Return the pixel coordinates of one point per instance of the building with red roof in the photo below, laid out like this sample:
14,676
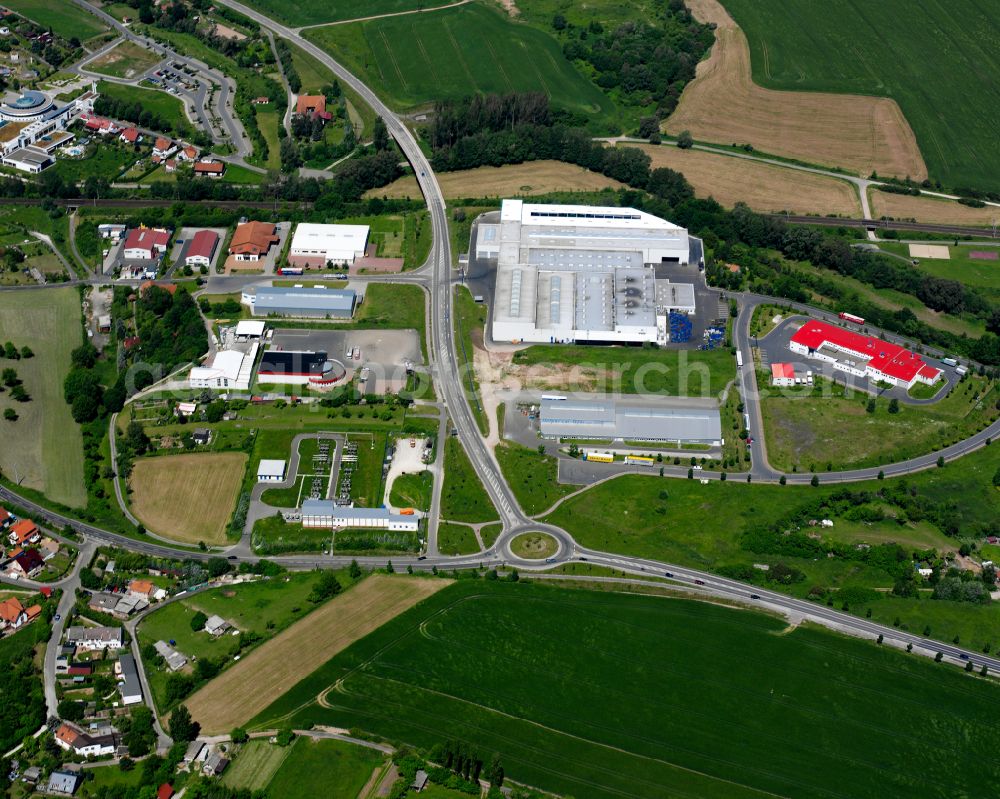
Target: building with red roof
145,244
866,356
163,147
165,791
12,614
6,518
307,104
782,374
130,136
23,532
202,248
27,562
209,169
252,240
99,125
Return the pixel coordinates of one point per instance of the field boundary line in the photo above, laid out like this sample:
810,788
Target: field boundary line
382,16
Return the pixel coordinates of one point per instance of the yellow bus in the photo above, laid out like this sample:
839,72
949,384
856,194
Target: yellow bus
599,457
639,460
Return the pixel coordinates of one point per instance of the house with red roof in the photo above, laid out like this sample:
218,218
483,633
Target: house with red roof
23,532
188,153
12,614
6,518
131,136
307,104
99,125
209,169
782,374
202,248
165,791
862,355
170,165
252,240
163,147
145,244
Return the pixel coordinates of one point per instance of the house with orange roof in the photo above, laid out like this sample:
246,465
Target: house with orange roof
23,532
6,518
163,147
12,614
252,240
307,104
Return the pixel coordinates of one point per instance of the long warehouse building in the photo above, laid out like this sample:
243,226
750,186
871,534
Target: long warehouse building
327,514
575,273
606,418
314,302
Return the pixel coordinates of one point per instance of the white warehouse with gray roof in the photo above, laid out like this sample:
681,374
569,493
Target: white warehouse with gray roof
632,419
326,513
575,273
315,301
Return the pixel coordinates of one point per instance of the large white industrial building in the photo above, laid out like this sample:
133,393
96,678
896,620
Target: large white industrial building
326,513
318,245
571,273
228,369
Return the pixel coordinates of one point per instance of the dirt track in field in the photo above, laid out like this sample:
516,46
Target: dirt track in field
724,105
929,209
241,692
764,188
534,177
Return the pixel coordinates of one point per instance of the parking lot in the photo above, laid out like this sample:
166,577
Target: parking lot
383,353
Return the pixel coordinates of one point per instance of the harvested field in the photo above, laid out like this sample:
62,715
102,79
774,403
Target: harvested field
188,498
535,177
764,188
235,697
724,105
930,209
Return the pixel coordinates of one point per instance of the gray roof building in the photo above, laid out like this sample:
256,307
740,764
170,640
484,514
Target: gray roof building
313,302
633,420
130,687
63,782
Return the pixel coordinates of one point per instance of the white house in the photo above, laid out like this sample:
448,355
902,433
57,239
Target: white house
271,471
95,638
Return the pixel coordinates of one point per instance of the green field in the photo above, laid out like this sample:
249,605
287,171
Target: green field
942,64
43,449
312,12
65,19
463,498
655,706
255,765
161,104
268,121
125,61
412,490
532,476
470,323
101,161
631,370
809,432
456,539
976,272
417,59
324,768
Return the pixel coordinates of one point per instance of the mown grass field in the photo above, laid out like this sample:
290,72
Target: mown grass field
126,60
420,58
456,539
463,498
65,19
629,370
43,449
188,498
810,431
940,66
978,272
162,104
255,765
655,705
234,697
532,476
324,768
412,490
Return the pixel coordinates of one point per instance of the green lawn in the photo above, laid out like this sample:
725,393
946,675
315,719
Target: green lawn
324,768
241,175
268,121
255,765
162,104
125,61
809,431
65,19
532,476
417,59
655,703
456,539
463,498
413,491
944,56
977,272
633,370
43,449
470,322
315,76
102,160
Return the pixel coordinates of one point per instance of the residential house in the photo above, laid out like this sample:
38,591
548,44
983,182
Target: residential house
195,751
63,783
163,147
170,165
188,153
215,764
216,625
95,638
6,518
129,685
129,604
12,614
201,435
100,125
130,136
175,660
23,533
307,104
252,240
142,588
209,169
32,774
27,563
103,602
96,743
